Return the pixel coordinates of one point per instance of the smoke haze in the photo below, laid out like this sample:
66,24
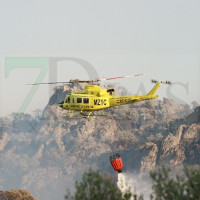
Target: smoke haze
137,183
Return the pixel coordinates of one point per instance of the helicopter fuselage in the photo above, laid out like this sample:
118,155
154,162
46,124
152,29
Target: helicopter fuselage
93,98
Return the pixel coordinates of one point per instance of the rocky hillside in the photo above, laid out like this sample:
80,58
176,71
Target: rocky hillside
181,145
45,155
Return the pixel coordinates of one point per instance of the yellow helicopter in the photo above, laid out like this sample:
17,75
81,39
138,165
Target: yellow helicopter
94,98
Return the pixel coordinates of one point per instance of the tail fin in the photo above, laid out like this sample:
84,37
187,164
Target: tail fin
154,89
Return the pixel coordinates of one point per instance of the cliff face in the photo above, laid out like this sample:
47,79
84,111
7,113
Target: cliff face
181,145
46,155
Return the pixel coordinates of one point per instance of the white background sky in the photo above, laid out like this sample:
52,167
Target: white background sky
158,38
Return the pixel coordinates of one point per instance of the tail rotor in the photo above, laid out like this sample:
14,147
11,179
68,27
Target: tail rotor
164,82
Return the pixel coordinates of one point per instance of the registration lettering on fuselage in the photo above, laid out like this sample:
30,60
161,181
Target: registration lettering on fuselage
125,100
100,102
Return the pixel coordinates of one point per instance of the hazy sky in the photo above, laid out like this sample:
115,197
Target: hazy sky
158,38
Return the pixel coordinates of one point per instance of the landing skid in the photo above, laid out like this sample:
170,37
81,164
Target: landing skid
84,115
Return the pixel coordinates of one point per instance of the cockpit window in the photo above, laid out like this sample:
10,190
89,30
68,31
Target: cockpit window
86,100
68,99
79,100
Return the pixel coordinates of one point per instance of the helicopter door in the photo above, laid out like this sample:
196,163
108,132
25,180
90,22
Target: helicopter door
67,100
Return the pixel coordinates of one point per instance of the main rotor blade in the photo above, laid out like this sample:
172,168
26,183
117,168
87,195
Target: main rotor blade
71,81
48,83
112,78
89,81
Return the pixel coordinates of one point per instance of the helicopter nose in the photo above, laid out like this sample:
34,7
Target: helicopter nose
61,104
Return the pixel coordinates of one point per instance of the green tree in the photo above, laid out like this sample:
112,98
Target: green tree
180,187
95,186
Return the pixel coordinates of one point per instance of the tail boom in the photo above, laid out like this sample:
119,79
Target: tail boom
122,100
